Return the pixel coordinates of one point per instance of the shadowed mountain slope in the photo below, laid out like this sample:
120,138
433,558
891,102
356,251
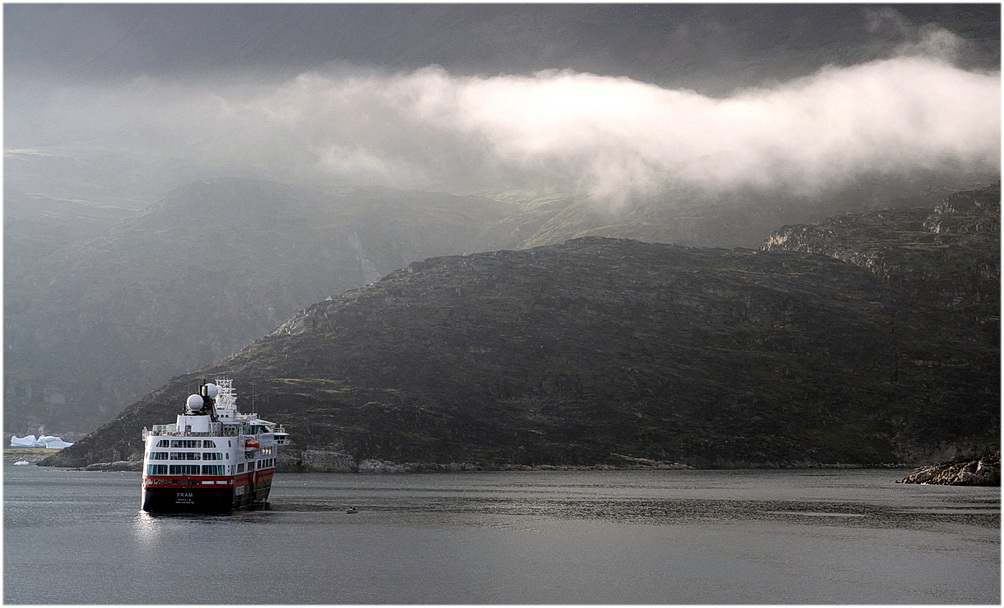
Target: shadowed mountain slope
580,352
104,302
948,257
201,273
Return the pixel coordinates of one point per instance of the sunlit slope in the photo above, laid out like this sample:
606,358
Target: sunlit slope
573,353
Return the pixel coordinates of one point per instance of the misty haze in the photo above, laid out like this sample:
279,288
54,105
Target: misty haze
445,237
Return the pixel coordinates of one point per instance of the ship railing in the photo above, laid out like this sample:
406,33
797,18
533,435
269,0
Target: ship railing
216,429
160,429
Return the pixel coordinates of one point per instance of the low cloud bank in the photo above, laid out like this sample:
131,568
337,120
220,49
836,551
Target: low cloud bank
612,138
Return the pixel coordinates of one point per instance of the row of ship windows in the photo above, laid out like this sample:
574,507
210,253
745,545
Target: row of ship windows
264,463
206,469
186,456
186,443
185,469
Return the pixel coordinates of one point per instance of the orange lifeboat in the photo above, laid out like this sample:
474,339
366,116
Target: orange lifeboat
251,444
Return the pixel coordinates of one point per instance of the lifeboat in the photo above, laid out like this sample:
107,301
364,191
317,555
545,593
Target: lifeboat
251,444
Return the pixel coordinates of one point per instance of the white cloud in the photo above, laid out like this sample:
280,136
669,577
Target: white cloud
610,137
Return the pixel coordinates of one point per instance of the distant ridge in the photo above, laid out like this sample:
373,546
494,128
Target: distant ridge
592,350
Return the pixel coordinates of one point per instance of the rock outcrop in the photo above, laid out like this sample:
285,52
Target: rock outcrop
948,257
983,471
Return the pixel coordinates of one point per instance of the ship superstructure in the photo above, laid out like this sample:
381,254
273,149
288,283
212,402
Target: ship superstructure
213,458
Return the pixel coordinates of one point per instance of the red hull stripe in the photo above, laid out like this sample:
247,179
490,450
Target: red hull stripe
207,481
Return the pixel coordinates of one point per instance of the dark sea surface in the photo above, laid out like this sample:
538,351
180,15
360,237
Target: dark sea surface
555,537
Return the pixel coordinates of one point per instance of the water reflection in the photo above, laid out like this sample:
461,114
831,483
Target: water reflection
145,532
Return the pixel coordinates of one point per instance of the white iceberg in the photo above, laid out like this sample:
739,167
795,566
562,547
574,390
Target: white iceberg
25,442
45,441
51,441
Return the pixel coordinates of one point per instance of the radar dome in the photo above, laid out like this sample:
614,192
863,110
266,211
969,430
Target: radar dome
194,402
212,390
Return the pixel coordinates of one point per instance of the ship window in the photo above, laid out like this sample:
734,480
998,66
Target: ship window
186,443
208,443
212,456
156,469
184,469
240,468
186,456
251,466
212,469
158,456
163,443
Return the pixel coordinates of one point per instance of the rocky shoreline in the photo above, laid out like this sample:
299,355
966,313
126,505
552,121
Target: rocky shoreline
983,471
325,461
32,455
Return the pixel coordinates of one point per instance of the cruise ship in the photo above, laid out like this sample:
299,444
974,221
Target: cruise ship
213,459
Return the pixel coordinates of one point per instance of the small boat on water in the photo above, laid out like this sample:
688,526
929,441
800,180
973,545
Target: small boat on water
213,459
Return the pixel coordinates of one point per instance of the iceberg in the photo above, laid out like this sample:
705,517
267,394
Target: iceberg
45,441
25,442
51,441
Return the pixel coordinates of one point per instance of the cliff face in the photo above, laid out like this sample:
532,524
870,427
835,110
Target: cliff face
597,349
948,257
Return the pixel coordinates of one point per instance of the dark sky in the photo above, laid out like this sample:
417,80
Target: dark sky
613,99
112,41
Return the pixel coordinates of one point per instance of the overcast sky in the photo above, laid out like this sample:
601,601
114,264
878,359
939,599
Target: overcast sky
613,101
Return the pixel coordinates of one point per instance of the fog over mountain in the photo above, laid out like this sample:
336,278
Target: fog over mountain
147,143
417,112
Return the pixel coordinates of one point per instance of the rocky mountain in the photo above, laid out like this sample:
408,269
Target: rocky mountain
106,296
948,257
200,274
605,350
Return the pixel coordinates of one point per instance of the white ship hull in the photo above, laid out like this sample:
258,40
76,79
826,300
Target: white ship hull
213,459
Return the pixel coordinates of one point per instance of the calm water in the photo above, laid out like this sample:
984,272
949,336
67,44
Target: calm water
667,537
